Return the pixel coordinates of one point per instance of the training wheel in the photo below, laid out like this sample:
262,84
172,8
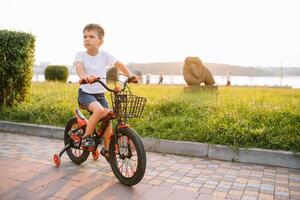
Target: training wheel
95,154
56,160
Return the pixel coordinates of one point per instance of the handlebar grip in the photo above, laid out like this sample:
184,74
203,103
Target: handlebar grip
133,79
85,81
82,81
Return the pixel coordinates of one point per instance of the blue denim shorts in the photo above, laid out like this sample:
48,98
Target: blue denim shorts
85,99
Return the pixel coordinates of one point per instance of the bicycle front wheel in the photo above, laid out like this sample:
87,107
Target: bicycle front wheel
128,162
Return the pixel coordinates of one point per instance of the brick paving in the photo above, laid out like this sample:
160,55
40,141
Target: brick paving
27,172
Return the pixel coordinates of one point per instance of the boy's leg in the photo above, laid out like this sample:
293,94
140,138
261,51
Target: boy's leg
98,113
107,137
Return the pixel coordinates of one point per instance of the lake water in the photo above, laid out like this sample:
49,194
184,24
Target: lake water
291,81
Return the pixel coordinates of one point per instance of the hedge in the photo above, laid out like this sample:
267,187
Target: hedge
16,66
56,73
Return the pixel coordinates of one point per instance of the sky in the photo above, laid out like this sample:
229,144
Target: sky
240,32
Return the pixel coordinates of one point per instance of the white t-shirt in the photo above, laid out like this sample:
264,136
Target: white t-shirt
96,66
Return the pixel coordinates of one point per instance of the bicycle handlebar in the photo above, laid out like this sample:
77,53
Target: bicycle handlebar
98,79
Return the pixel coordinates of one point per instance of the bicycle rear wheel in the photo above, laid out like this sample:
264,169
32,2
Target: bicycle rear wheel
77,155
129,162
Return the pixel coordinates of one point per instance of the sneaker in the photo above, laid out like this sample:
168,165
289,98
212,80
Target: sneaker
87,142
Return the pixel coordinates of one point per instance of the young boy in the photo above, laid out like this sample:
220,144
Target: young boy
90,64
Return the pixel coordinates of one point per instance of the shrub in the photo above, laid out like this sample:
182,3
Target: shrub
16,63
56,73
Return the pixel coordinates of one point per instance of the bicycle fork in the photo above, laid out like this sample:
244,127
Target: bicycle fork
115,135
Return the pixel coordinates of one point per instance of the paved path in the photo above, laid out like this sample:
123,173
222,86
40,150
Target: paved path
27,172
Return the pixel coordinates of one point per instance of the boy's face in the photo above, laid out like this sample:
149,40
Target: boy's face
91,40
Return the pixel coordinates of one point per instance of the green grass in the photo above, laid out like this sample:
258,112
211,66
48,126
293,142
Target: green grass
239,117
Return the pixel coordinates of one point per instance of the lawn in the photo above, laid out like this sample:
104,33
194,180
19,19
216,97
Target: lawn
235,116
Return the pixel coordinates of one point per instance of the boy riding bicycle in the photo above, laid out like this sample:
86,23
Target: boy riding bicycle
90,64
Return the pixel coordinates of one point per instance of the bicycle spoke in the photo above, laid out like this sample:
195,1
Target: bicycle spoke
121,167
127,166
124,162
119,161
127,157
76,152
132,169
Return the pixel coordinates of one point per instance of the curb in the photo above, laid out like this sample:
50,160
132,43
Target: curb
194,149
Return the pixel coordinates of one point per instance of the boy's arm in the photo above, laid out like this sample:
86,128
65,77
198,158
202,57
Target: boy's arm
82,75
123,69
80,70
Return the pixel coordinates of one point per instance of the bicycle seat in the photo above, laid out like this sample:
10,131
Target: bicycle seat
79,114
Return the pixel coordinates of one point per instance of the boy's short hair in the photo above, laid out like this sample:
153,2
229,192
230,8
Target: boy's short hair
95,27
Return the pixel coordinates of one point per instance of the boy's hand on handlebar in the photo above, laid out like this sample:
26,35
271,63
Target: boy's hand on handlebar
91,79
133,79
88,79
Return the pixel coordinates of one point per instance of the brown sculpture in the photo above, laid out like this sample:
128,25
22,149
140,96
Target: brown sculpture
195,73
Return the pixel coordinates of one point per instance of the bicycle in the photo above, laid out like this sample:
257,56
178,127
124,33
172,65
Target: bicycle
126,154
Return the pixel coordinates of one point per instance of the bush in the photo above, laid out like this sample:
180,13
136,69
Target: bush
56,73
16,63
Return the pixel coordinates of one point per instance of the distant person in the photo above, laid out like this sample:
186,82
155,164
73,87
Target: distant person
161,78
148,78
228,78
